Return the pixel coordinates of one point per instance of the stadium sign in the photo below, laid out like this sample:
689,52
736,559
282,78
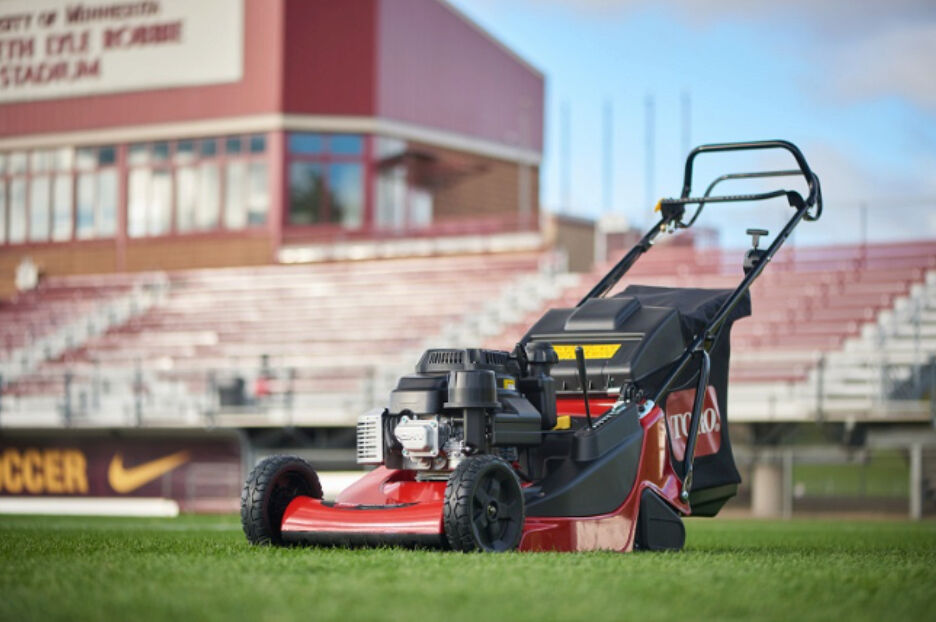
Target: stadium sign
53,49
679,414
95,466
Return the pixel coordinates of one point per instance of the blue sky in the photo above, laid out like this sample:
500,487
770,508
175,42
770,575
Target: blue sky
854,84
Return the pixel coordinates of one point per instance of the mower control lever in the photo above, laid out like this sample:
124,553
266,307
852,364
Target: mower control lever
583,380
756,235
755,255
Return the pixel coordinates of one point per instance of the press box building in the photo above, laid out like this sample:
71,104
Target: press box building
162,134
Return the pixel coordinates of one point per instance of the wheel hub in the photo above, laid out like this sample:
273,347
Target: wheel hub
492,510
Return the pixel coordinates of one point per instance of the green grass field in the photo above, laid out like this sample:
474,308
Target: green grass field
201,568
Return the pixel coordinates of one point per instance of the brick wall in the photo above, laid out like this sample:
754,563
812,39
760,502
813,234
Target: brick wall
157,254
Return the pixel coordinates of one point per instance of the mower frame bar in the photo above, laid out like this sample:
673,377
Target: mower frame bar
672,211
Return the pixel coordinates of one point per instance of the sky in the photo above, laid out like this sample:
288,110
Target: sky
852,83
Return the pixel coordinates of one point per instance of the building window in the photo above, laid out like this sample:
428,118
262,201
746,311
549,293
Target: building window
198,186
404,199
17,210
246,183
37,199
326,179
96,192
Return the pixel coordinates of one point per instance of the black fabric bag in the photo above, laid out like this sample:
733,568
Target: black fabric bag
716,477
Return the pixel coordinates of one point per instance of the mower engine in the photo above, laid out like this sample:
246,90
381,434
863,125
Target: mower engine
460,403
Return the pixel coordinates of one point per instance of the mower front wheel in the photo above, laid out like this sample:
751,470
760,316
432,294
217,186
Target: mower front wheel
484,508
270,487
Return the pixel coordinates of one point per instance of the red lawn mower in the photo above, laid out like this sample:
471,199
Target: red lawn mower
604,426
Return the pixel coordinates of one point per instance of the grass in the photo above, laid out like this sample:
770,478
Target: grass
201,568
886,474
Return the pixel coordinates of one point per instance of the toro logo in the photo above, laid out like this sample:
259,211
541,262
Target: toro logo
679,407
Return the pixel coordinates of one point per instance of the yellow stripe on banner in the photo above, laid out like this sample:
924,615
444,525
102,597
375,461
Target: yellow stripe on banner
591,351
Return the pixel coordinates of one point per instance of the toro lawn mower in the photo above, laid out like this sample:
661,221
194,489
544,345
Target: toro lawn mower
604,426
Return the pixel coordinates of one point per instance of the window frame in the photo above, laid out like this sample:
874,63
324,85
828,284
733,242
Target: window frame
326,158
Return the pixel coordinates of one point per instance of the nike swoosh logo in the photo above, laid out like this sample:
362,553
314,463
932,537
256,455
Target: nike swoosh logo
124,480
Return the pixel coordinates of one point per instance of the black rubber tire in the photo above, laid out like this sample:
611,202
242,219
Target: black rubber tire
484,509
269,489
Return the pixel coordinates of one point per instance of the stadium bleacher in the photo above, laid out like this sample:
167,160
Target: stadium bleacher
312,335
317,343
814,308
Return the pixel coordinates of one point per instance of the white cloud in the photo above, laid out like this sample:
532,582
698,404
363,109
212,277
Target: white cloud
866,48
898,61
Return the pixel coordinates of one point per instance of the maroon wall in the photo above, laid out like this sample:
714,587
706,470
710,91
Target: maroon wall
416,61
330,57
258,91
437,69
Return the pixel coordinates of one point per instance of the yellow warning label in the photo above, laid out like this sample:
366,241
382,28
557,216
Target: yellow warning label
591,351
509,384
563,422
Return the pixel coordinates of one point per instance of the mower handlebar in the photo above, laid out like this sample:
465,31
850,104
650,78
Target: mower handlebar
814,199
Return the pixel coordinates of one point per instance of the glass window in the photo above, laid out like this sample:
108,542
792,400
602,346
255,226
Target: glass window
232,144
84,225
64,159
40,161
420,207
386,147
258,201
306,143
138,202
107,156
346,189
306,193
346,144
107,202
149,203
186,196
39,209
62,208
209,147
17,226
235,199
160,151
185,150
17,162
209,196
160,207
391,198
3,212
138,154
257,143
85,159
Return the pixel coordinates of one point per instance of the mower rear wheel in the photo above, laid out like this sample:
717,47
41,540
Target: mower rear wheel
484,508
269,489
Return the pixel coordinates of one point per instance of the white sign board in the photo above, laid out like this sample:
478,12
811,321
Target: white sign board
63,48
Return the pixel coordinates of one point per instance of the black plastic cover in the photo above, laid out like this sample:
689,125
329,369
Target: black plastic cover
697,307
659,528
649,338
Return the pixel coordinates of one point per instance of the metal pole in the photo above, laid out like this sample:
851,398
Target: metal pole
686,105
67,406
916,481
820,388
932,390
788,484
564,159
649,144
138,394
863,209
608,152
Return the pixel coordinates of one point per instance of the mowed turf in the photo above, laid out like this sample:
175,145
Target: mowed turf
201,568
